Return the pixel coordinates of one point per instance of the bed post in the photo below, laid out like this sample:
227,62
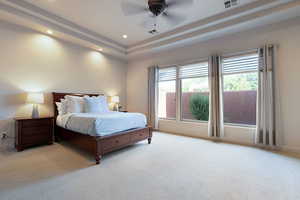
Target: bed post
98,159
150,135
98,150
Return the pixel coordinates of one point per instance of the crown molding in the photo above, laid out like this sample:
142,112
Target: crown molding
206,21
35,10
237,15
216,25
33,14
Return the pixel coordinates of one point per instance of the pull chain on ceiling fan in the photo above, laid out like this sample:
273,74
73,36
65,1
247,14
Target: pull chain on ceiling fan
157,8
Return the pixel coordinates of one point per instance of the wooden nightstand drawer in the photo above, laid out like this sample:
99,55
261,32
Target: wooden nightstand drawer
36,131
30,132
35,139
36,123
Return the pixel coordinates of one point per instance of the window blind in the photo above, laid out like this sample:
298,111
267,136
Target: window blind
240,64
167,74
193,70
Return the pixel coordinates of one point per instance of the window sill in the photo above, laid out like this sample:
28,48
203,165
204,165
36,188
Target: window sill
240,125
192,122
167,119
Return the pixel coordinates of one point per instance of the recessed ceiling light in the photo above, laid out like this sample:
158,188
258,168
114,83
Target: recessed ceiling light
50,32
124,36
100,49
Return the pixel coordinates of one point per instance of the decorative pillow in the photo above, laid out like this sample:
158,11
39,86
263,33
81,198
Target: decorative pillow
62,107
59,107
74,104
95,104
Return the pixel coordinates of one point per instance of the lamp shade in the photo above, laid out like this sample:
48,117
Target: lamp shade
115,99
35,98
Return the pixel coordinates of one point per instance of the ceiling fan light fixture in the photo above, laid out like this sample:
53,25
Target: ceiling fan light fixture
158,8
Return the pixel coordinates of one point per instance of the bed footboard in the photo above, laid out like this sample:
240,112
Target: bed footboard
99,146
114,142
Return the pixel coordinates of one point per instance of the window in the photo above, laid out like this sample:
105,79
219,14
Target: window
167,93
183,91
194,91
240,81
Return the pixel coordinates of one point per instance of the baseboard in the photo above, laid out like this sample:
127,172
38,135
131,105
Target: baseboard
211,139
238,143
282,148
289,149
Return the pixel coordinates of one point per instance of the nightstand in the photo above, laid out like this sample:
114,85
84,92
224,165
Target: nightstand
31,132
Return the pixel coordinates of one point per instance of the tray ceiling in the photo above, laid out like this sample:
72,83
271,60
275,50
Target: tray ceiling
105,17
100,24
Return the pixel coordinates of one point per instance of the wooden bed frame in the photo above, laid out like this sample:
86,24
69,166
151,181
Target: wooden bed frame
98,145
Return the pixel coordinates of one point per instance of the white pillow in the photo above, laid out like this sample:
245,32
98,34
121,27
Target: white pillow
62,107
59,107
74,104
105,106
95,104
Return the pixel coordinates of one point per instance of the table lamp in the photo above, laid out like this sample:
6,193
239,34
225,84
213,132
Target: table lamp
35,99
116,101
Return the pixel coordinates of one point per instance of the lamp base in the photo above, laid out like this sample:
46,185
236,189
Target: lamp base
35,111
116,107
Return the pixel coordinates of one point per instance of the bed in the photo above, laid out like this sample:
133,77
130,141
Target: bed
93,140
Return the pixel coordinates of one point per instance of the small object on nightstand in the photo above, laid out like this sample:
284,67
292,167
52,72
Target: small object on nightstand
33,131
116,100
35,99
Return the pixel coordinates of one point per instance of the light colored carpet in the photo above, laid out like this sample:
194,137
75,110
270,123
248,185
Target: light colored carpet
172,167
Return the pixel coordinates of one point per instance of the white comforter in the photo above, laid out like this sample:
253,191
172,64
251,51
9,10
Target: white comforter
101,124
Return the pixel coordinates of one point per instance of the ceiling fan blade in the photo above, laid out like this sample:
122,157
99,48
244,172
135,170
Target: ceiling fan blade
130,8
179,3
173,19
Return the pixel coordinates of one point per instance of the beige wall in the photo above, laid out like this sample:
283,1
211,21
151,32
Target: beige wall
285,34
30,61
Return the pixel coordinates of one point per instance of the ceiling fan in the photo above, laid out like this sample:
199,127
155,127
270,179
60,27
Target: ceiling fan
157,8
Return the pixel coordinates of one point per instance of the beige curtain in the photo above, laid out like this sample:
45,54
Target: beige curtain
266,131
215,124
152,97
